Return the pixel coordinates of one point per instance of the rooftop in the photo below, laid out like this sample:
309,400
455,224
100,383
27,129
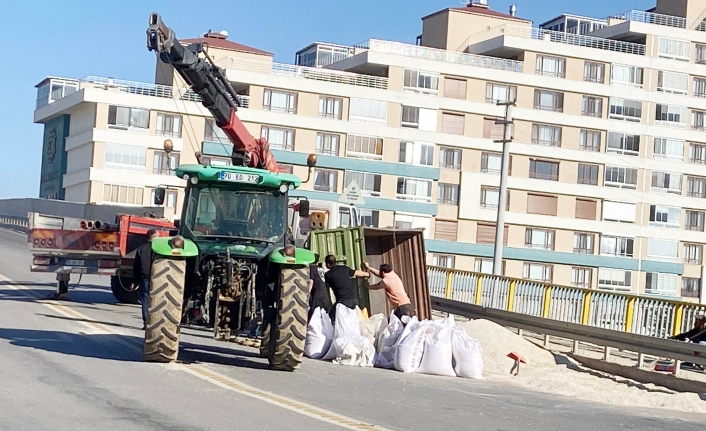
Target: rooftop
219,40
479,9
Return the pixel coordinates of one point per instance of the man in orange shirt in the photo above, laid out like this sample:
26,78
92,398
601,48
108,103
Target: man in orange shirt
394,289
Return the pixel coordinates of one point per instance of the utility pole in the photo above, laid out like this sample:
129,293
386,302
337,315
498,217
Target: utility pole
502,195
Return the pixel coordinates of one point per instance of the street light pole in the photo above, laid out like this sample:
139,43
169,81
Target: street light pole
507,122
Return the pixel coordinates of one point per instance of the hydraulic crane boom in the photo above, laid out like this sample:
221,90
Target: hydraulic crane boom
217,94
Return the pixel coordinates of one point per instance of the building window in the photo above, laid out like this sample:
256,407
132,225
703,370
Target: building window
447,194
537,272
662,249
700,57
450,158
593,72
661,284
452,123
419,81
583,243
327,143
670,115
697,154
617,246
410,117
543,134
547,100
581,277
614,279
544,170
490,198
586,209
669,182
169,125
495,93
485,266
674,48
217,161
446,230
330,107
696,187
326,180
624,178
664,216
368,111
364,147
280,101
443,261
126,157
279,139
416,153
627,76
668,149
133,119
213,133
673,82
413,189
542,204
369,183
691,287
551,66
625,109
699,87
369,218
621,143
118,194
592,106
588,174
698,120
285,169
485,234
694,220
539,239
590,140
455,88
490,163
693,254
165,164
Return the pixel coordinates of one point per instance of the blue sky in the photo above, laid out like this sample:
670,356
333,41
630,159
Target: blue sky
75,38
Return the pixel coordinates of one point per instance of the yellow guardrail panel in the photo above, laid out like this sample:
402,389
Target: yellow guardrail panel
586,312
479,289
511,296
449,284
628,314
678,316
547,301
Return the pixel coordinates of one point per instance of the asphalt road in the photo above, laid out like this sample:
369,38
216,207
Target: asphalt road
77,366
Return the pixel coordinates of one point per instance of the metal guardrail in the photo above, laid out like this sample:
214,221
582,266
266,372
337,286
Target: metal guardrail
643,315
677,350
661,19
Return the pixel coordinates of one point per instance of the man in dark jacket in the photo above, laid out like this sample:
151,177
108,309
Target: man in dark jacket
319,292
339,279
697,333
141,268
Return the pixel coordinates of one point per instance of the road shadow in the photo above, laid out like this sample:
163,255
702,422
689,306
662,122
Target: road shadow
88,294
74,319
565,361
190,353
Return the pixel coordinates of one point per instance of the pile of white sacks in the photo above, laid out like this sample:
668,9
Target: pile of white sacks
428,347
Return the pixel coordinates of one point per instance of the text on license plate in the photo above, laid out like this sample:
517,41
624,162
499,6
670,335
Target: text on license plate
75,262
239,178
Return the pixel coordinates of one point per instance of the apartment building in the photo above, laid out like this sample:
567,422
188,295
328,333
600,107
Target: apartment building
607,186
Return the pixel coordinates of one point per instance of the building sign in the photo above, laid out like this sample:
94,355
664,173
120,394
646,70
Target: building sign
352,195
54,158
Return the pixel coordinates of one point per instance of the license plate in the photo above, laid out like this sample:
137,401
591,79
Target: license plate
239,178
75,262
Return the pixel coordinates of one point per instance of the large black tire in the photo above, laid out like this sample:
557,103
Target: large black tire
120,285
165,310
265,343
289,335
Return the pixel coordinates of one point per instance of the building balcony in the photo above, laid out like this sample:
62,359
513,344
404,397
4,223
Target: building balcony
659,19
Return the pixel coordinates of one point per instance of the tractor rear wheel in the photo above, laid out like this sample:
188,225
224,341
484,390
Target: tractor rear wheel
165,310
122,289
289,333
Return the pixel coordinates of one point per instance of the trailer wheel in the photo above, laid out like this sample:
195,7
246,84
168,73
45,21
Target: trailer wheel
289,335
165,310
120,285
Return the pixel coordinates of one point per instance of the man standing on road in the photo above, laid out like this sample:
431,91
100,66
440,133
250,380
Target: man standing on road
319,295
394,289
338,278
141,269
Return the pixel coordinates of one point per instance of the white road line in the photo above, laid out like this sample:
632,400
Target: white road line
206,374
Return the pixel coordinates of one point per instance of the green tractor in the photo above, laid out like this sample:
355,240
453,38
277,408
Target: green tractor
230,265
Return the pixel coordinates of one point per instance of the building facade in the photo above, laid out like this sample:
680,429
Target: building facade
607,186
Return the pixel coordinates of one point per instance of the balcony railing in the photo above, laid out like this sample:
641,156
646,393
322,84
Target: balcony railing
661,19
313,73
427,53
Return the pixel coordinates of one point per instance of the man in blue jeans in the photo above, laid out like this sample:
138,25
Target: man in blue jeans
141,274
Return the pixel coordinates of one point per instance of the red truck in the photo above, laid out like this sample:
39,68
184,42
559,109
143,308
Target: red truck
68,245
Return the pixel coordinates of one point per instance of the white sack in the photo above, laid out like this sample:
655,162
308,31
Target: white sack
319,334
372,327
467,355
438,358
347,323
354,350
411,347
386,346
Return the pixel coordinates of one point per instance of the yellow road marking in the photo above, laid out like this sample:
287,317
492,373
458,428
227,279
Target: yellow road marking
211,376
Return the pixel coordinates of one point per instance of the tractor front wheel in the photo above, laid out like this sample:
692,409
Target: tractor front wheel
288,333
165,310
